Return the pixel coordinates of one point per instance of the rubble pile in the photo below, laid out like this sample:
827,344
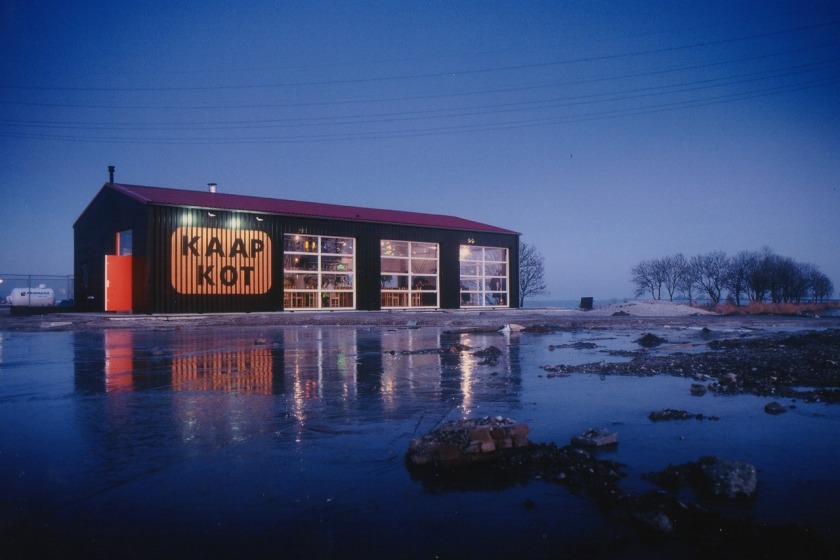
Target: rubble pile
666,516
803,365
650,340
713,476
463,442
675,414
595,438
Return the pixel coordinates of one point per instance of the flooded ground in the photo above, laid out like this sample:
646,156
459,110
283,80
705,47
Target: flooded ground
290,441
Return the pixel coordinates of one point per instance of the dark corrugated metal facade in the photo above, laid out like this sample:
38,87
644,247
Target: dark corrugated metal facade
202,260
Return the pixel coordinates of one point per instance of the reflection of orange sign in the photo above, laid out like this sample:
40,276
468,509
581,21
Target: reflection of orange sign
246,371
220,261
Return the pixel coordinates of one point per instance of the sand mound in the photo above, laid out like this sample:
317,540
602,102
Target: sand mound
650,308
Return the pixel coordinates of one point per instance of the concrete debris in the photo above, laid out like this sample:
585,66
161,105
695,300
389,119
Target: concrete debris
728,477
698,389
460,443
774,408
595,438
650,340
671,414
712,476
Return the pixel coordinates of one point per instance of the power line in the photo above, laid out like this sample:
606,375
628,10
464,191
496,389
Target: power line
449,129
454,112
496,113
423,97
450,73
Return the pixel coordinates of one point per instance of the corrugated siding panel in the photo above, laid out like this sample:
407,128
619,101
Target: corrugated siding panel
94,235
200,266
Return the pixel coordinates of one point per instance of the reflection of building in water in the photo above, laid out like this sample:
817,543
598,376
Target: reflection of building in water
436,365
319,364
125,360
104,361
195,367
119,360
346,370
247,369
413,363
180,390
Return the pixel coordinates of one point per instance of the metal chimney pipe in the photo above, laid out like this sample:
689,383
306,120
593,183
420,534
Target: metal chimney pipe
211,187
111,174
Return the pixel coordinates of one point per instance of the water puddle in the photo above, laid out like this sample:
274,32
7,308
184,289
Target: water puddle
237,440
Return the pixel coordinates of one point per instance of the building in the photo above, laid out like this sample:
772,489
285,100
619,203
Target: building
158,250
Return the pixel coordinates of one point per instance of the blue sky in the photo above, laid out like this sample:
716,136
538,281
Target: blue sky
604,132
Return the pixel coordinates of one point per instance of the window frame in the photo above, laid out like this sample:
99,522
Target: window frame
408,258
316,284
478,289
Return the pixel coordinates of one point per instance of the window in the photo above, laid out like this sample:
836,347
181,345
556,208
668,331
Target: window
409,274
484,276
318,272
124,242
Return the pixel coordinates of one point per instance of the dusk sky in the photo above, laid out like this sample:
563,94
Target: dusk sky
605,132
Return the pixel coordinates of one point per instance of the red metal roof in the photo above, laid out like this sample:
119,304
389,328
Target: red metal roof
225,201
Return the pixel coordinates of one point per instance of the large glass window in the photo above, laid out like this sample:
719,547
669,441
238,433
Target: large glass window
318,272
484,276
409,274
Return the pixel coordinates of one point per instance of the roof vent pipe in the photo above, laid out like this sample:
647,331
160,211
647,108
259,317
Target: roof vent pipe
111,174
211,187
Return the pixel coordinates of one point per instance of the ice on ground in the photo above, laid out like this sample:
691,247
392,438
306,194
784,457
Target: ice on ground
641,308
650,308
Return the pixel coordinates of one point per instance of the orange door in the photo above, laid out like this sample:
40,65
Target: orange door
117,283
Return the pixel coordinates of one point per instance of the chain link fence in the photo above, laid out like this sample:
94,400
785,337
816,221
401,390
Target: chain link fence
16,287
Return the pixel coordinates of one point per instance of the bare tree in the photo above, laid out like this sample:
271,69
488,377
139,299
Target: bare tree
531,272
687,281
760,275
648,276
787,280
797,280
736,276
710,270
758,271
821,286
674,268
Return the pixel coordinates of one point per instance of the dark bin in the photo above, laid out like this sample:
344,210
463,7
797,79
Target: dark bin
586,303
